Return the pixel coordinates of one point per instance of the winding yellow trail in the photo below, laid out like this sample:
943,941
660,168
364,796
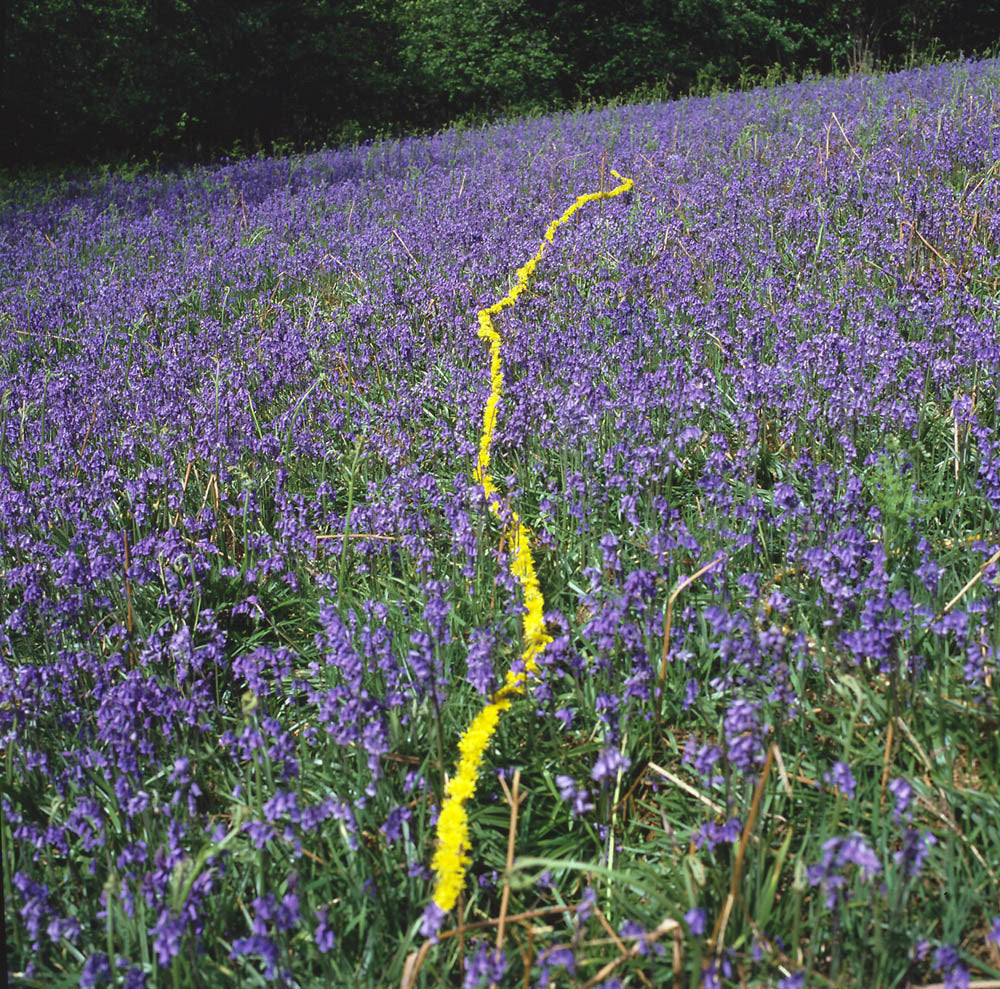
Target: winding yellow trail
452,858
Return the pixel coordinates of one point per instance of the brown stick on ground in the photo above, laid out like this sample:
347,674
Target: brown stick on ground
969,585
982,984
665,926
618,943
513,798
719,932
415,959
686,582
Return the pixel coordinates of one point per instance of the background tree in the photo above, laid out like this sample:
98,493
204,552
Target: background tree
107,79
474,56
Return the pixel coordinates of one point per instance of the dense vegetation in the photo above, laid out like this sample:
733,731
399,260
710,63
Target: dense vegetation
193,78
252,596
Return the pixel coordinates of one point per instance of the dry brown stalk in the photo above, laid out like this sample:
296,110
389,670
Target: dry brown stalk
969,585
678,957
847,141
212,488
527,952
719,932
618,943
184,484
980,984
886,761
686,787
83,445
945,261
405,248
665,926
412,965
782,772
48,336
513,798
628,794
686,582
416,958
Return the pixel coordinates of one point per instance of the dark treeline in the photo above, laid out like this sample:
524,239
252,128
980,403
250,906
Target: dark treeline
171,79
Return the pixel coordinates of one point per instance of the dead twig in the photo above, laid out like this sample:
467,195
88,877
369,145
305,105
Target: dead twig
847,140
980,984
415,959
717,809
395,233
412,965
513,798
719,932
686,582
968,587
617,941
665,926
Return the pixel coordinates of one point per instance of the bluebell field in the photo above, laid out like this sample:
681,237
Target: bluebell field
251,595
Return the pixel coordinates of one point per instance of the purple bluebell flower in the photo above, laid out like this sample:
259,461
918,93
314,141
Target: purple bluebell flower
550,958
486,966
691,689
842,778
609,763
586,906
794,981
711,834
259,946
710,976
96,971
838,854
63,927
947,961
433,918
577,797
913,853
479,662
259,832
902,793
696,919
167,934
393,826
35,908
609,549
324,936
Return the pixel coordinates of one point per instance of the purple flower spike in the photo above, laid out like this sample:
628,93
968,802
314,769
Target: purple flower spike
324,937
486,966
842,778
696,919
946,960
902,793
433,918
609,763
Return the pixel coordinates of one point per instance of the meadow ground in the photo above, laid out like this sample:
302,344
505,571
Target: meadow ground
254,594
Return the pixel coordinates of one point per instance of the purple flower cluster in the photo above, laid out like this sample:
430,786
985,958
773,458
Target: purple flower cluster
830,873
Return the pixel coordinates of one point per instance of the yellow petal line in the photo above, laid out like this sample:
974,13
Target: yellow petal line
452,855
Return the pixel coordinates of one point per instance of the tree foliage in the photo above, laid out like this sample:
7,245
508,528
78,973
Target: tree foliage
183,78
